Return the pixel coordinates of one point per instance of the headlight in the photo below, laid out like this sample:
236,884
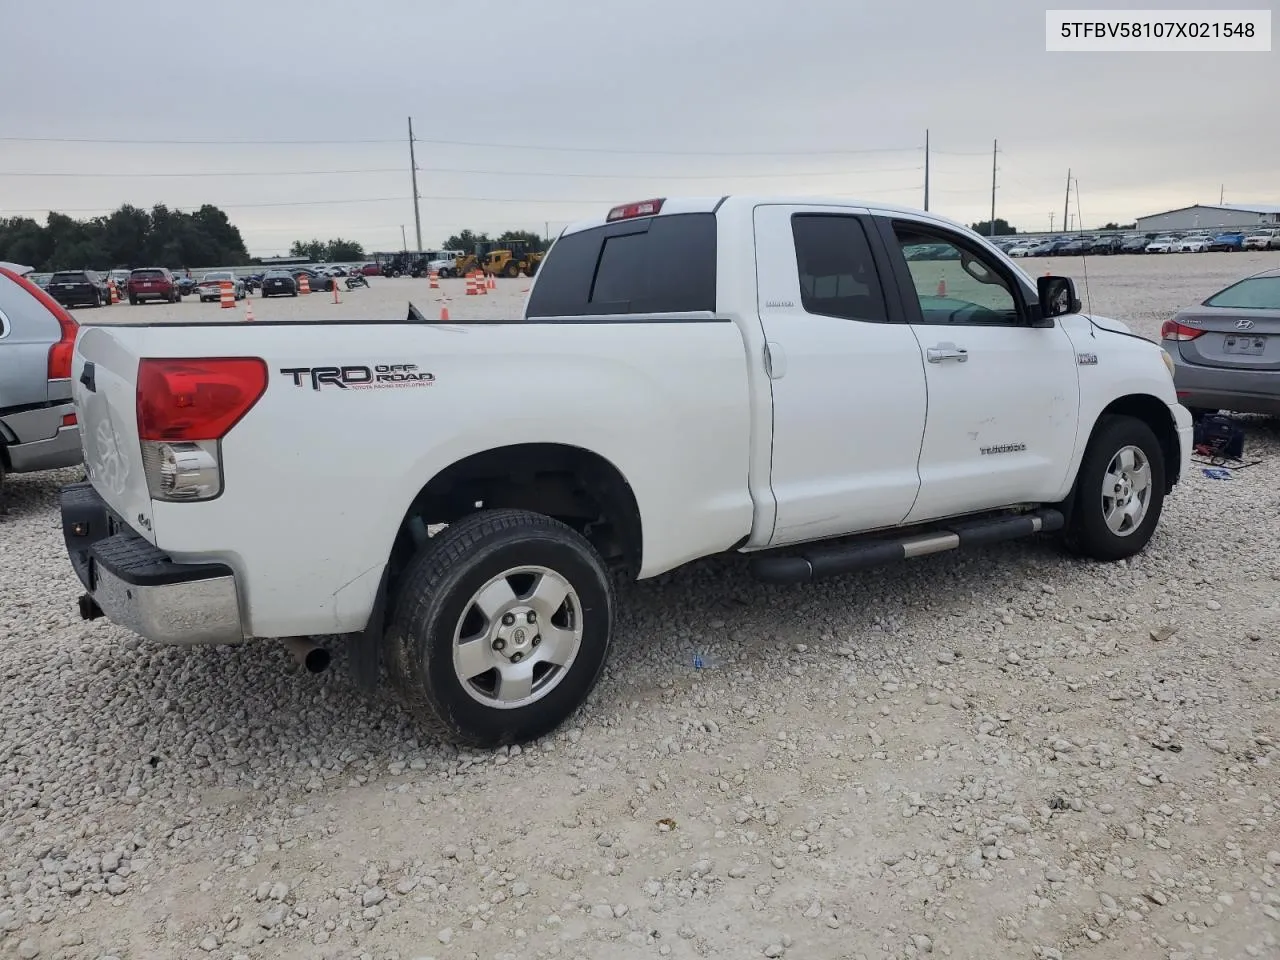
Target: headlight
1168,360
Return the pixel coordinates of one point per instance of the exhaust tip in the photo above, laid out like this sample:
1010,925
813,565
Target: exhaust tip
312,658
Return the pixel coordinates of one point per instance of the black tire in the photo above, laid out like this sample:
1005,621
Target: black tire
511,270
133,301
435,594
294,293
1087,533
97,300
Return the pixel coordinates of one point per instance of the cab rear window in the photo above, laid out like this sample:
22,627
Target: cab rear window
664,264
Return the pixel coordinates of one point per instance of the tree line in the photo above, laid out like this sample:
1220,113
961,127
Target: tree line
525,240
127,238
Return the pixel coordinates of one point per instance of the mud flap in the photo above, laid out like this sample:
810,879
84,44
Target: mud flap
366,646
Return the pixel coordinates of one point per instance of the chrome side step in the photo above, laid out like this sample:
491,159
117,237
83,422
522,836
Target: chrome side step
817,561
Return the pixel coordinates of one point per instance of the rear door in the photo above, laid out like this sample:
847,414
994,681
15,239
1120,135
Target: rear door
847,380
1241,327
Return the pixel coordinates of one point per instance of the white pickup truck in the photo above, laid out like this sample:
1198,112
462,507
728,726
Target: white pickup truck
817,385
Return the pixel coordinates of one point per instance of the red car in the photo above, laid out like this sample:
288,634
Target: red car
371,270
153,283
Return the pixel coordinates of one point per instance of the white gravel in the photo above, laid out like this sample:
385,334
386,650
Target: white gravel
1003,753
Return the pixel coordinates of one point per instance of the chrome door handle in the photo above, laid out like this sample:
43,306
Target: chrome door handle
947,351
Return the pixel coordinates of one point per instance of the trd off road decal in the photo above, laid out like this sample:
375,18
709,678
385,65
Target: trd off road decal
359,377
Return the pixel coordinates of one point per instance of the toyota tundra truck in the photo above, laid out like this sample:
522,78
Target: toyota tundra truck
818,386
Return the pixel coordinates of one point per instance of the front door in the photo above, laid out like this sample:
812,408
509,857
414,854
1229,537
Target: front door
847,380
1004,395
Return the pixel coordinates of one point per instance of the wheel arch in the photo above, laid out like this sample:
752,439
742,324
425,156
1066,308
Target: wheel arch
577,486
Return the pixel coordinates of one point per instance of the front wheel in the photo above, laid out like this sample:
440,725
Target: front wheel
501,628
1119,491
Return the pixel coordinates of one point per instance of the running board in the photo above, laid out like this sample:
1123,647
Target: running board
817,561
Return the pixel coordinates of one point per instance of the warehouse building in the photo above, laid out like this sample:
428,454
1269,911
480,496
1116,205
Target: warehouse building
1209,216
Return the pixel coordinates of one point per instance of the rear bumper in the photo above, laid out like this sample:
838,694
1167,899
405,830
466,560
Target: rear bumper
1219,388
43,443
136,585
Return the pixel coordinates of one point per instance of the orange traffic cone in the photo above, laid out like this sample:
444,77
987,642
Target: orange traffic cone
482,283
435,280
304,285
248,310
227,299
493,284
942,287
444,314
471,284
115,291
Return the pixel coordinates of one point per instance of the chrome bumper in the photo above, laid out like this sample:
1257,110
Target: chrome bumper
136,585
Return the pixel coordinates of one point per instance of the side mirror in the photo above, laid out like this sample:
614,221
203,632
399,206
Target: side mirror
1057,297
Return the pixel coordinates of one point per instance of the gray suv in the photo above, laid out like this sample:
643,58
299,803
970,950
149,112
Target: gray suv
38,428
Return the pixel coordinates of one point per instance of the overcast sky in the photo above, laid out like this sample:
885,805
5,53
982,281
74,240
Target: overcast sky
547,112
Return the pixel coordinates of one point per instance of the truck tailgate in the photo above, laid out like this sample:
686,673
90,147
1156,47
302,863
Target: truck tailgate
104,377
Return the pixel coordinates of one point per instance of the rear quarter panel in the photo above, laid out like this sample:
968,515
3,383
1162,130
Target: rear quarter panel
317,482
27,331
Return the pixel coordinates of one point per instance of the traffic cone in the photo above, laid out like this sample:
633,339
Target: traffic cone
493,284
114,291
471,284
248,310
444,314
227,298
942,287
482,283
435,280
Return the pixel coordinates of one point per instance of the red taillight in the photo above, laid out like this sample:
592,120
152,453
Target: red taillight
645,208
60,353
1173,330
196,399
68,419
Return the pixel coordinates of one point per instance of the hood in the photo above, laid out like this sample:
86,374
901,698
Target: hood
1107,323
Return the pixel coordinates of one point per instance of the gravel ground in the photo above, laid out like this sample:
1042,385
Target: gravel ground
1001,753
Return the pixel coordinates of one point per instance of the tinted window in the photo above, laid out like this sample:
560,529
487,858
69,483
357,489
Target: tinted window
658,265
838,276
148,274
953,282
67,278
1256,293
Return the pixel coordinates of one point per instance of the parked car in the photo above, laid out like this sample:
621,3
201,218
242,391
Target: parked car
1162,244
1192,245
1106,246
211,285
1263,240
38,428
1021,249
316,281
371,270
152,283
278,283
78,288
1075,248
497,627
1227,242
1226,349
1136,244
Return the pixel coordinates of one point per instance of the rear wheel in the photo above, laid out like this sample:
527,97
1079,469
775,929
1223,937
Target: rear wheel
133,301
1119,491
511,270
501,628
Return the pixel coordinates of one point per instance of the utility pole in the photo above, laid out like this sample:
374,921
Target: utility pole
1051,216
995,148
413,173
1222,190
1066,204
926,170
404,244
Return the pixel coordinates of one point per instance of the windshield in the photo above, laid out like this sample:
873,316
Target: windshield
1255,293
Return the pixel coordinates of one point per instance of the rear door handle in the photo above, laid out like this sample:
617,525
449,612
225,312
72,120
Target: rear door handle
947,351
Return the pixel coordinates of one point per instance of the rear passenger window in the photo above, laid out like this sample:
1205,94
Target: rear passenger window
659,265
838,276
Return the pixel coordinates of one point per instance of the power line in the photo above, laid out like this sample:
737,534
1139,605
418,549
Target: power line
462,170
310,203
469,143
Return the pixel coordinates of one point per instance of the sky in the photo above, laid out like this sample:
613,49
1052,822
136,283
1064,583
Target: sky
537,115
